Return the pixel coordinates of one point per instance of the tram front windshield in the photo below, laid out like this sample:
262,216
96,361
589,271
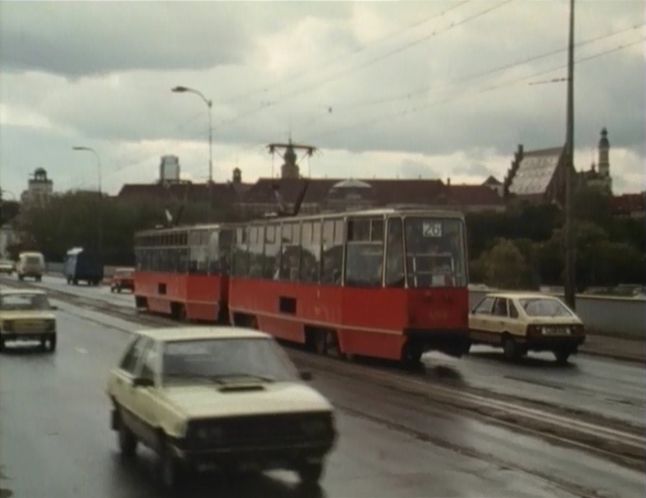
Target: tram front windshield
435,252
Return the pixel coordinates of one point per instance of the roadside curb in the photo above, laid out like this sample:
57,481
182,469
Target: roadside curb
614,356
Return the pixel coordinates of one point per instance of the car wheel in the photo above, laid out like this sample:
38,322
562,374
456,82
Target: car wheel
510,348
562,356
1,344
171,469
21,277
310,473
119,289
127,441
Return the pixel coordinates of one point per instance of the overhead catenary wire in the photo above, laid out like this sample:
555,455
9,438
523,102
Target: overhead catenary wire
344,72
300,74
477,75
373,120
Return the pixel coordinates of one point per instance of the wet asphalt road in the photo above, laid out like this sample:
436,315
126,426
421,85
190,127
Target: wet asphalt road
600,386
55,440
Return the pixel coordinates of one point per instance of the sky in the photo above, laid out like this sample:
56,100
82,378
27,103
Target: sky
434,89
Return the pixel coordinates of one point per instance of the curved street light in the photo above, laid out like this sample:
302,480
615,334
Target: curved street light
209,104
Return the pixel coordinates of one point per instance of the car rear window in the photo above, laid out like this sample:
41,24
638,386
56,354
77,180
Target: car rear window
545,307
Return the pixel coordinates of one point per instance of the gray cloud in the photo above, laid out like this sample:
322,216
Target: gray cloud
76,39
103,72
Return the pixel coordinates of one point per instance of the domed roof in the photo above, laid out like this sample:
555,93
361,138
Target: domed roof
351,183
603,141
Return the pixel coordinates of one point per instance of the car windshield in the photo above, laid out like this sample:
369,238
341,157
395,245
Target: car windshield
19,302
545,307
226,360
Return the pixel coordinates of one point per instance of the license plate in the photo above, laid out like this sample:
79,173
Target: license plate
556,331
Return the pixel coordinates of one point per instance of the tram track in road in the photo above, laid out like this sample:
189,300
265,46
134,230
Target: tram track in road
612,439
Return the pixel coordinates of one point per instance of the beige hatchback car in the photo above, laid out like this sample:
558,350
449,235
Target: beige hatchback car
223,397
26,315
526,322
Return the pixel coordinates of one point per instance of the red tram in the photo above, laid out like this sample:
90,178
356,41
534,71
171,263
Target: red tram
385,283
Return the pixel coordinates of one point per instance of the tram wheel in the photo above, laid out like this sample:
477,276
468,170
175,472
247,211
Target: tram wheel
411,355
321,342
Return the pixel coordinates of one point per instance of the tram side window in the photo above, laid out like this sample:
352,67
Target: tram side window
272,252
332,257
213,252
225,248
256,244
310,251
364,256
395,254
290,251
240,255
198,252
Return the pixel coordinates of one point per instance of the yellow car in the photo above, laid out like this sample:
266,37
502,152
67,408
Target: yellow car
222,397
526,322
26,315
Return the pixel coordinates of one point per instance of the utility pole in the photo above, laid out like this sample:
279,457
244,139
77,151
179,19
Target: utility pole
570,256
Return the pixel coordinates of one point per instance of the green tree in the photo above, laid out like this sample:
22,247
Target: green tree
504,266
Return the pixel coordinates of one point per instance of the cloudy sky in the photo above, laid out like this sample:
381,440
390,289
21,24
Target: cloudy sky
430,89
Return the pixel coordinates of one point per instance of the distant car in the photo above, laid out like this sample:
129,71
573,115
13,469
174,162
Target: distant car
123,278
223,396
26,315
6,266
526,322
30,264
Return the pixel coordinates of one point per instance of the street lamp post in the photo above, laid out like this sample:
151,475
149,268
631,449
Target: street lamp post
98,214
209,104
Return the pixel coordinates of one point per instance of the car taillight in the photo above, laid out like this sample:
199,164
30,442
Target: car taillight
533,330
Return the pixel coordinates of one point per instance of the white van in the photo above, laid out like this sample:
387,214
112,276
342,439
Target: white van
30,264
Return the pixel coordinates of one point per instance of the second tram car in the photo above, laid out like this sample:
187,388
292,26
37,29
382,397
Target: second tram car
183,272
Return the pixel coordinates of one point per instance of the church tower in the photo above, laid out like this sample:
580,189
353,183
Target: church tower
604,149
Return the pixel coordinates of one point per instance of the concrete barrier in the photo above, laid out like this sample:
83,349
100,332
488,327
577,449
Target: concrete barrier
607,315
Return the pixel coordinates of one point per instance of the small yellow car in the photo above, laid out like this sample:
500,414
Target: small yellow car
224,397
526,322
26,315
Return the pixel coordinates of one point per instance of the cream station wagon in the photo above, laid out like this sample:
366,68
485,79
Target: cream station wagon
223,397
526,322
26,315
